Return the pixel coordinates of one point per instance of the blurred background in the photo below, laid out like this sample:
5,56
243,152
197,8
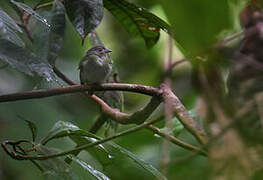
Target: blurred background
198,25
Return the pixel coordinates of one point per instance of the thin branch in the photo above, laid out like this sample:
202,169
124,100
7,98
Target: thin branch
176,141
166,146
168,71
43,5
223,43
80,148
98,123
63,76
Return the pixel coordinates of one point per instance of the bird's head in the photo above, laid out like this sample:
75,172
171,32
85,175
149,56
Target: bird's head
98,50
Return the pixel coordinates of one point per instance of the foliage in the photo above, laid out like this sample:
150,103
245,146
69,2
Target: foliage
41,44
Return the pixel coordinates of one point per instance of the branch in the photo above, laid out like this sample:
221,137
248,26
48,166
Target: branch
182,114
178,109
176,141
168,71
147,90
80,148
223,42
138,117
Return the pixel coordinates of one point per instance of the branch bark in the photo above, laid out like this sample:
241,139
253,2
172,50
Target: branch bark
147,90
182,114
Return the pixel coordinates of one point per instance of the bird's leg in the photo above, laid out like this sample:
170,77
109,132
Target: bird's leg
93,85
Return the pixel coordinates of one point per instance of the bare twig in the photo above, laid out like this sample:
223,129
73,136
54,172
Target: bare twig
168,71
43,5
166,146
176,141
98,123
223,43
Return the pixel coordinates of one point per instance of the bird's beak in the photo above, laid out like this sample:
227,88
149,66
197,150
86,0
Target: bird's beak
107,51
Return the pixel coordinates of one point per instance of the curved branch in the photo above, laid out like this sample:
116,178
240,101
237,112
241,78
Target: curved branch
182,114
138,117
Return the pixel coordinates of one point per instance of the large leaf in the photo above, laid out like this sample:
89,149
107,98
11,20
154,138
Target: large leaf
30,11
138,21
48,42
24,60
8,29
62,129
56,37
55,168
88,168
80,137
197,24
85,15
41,35
138,161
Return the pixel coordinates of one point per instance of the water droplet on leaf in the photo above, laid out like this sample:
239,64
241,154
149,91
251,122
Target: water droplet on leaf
110,156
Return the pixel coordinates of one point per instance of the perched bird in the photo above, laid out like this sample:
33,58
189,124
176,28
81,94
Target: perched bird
96,66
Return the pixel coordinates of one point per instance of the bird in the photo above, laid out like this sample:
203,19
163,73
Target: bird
96,66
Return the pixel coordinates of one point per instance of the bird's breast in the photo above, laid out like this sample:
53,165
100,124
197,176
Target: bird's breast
94,72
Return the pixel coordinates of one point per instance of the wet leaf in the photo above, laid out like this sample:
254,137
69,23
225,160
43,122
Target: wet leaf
65,129
41,35
138,21
8,29
85,15
30,11
56,36
88,168
55,168
24,60
80,137
138,161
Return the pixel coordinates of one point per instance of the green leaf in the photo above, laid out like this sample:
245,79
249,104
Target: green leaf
55,168
58,25
80,137
197,24
33,129
138,21
41,35
30,11
48,42
97,174
85,15
32,126
8,29
139,161
24,60
66,129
